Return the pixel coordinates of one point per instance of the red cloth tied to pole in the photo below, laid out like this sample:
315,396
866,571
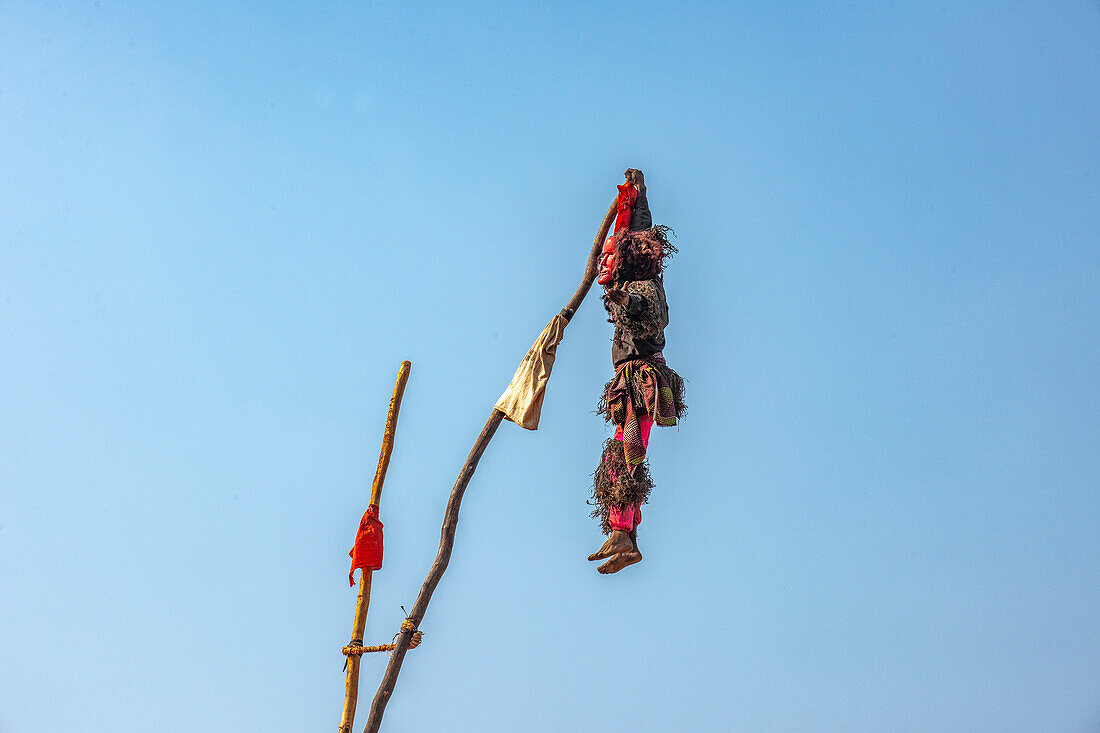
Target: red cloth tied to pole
628,196
367,552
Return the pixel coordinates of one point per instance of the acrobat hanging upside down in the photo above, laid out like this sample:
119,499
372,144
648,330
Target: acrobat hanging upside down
645,390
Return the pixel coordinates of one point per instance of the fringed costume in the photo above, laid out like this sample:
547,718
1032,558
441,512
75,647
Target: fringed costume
645,390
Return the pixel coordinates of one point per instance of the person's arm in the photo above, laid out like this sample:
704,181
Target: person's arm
642,218
640,307
619,297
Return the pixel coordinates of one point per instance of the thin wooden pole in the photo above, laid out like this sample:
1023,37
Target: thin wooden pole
593,261
442,558
362,603
450,518
391,430
351,681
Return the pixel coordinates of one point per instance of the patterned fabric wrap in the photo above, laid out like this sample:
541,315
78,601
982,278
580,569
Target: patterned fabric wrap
640,388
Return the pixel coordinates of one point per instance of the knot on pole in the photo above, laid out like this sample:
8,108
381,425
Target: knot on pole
417,636
354,648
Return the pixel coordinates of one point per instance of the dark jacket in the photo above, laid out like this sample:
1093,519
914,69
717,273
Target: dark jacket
640,324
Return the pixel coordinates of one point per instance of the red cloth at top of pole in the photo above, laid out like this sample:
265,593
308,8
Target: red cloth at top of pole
628,196
367,551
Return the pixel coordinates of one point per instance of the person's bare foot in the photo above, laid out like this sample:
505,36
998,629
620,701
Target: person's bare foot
618,542
620,561
635,176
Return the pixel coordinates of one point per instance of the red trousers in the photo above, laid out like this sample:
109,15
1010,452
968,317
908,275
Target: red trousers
628,516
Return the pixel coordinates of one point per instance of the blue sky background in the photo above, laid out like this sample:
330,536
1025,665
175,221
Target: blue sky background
223,226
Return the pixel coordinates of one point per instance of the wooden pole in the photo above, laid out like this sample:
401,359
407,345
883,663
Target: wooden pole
450,518
362,603
442,558
593,260
351,681
391,430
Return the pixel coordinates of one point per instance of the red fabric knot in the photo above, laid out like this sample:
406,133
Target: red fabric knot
367,551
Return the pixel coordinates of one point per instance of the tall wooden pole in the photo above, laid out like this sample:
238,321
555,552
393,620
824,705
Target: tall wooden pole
592,266
450,518
362,603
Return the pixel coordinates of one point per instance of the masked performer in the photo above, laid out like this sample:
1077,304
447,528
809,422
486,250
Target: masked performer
645,390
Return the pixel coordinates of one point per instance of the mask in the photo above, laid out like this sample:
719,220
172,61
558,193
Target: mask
607,262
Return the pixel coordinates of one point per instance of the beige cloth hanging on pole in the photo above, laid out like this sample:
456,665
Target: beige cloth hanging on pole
522,401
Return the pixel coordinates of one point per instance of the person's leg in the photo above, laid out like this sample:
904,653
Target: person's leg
618,522
629,517
624,520
622,517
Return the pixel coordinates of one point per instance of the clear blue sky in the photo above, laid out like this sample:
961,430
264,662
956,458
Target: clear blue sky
223,226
